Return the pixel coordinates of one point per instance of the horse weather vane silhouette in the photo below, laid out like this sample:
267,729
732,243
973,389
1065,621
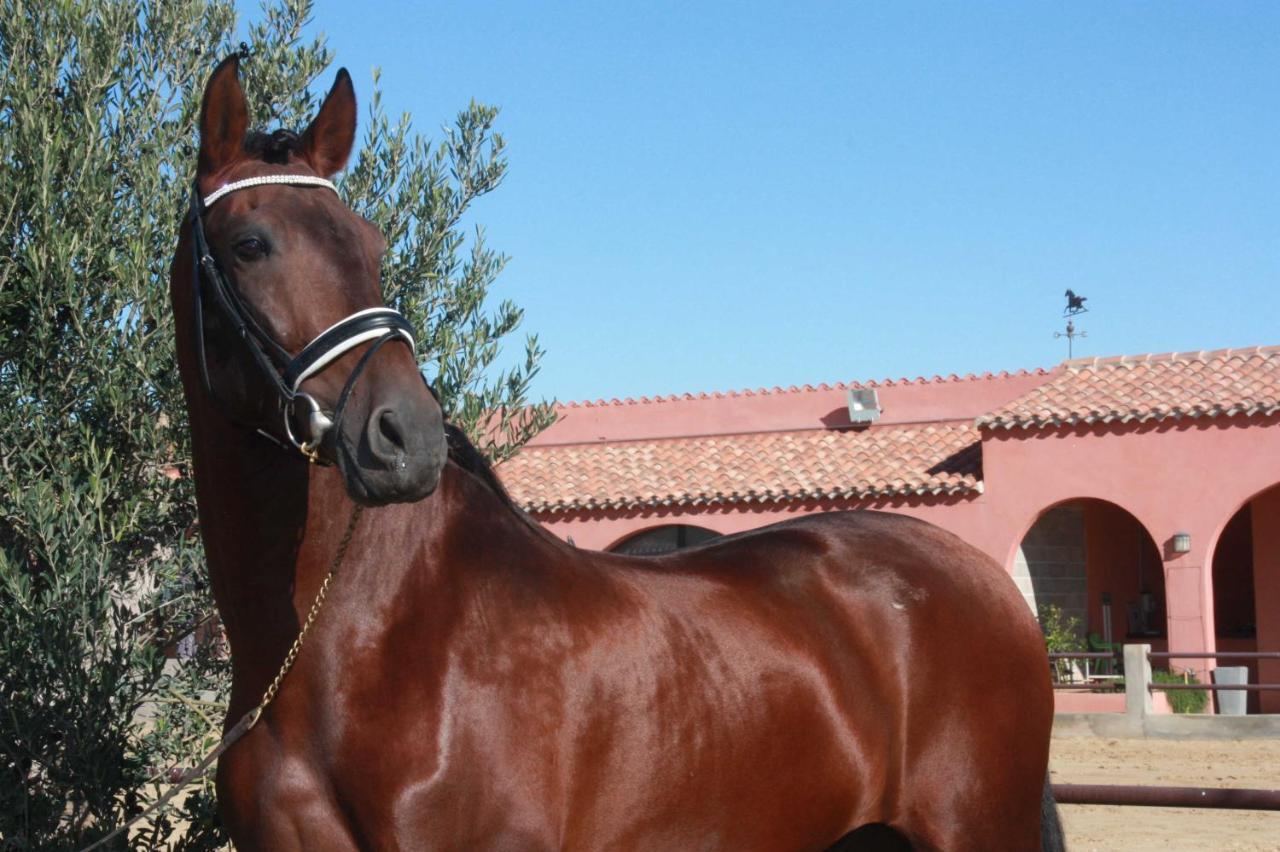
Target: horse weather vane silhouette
1075,306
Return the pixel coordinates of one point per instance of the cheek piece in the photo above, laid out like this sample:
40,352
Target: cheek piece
284,371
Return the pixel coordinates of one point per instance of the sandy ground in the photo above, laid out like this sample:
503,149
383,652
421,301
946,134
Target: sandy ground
1174,763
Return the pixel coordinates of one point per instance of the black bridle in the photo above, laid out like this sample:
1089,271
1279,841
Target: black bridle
285,372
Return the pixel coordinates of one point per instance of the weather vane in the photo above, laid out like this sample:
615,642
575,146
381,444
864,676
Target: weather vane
1075,306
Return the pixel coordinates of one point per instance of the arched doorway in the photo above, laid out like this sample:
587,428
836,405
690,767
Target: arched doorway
1246,591
1234,602
666,539
1098,564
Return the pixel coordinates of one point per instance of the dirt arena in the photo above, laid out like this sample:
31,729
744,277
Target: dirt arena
1174,763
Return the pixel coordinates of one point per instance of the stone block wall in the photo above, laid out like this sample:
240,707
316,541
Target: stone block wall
1050,565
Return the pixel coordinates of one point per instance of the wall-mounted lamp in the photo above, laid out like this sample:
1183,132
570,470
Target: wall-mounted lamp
1182,542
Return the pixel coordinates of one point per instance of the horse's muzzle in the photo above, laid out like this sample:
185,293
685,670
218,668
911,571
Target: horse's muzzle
397,457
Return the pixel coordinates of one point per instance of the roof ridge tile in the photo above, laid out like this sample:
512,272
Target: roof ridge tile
776,390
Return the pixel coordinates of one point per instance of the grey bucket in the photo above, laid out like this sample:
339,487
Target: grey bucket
1231,702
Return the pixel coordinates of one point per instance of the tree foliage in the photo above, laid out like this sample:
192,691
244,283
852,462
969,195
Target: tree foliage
100,567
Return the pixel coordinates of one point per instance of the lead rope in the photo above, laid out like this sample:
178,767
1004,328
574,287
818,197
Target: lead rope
248,720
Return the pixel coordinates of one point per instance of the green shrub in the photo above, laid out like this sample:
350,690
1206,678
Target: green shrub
1182,700
1061,635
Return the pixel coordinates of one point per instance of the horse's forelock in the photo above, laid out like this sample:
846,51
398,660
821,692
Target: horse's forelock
274,147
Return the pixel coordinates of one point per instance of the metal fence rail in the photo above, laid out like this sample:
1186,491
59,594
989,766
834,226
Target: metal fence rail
1167,797
1216,687
1083,655
1170,655
1063,677
1213,655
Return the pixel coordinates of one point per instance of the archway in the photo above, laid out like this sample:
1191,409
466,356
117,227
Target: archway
1098,564
1246,591
1234,601
664,539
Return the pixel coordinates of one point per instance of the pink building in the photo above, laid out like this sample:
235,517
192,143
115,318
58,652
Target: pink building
1140,494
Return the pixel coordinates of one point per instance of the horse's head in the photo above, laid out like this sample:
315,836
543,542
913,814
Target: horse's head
282,323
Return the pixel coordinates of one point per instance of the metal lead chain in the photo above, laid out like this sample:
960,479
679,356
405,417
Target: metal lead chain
289,658
248,720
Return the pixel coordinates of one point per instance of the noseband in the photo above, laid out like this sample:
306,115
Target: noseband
284,372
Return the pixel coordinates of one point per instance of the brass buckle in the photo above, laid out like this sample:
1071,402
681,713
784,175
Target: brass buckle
308,449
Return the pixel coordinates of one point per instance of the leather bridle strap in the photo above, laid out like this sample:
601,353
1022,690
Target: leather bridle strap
344,335
266,352
341,407
284,372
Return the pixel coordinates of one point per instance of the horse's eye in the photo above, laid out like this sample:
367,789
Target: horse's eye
251,248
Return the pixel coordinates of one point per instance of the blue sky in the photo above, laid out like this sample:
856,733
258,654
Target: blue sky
712,196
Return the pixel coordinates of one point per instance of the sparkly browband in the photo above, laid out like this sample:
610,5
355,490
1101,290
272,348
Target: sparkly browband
265,180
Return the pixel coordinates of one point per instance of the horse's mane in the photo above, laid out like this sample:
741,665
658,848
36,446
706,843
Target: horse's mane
464,454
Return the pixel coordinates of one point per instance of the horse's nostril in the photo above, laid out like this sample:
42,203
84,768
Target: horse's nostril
390,430
386,437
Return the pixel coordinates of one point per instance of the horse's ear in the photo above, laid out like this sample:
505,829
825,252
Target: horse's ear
224,117
326,144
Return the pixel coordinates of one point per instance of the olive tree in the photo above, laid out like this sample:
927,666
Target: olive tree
101,569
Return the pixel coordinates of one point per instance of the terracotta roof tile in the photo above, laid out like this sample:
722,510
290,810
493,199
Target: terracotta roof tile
1136,389
769,467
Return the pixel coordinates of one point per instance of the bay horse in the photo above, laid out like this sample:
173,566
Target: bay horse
851,680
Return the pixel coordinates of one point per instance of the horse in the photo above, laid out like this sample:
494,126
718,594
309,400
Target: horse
844,680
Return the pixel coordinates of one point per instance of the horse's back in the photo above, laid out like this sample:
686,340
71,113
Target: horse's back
920,646
912,587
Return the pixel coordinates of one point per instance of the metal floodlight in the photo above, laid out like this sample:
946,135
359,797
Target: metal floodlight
864,405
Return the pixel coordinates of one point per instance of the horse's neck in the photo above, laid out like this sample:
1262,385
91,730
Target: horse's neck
266,519
272,527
